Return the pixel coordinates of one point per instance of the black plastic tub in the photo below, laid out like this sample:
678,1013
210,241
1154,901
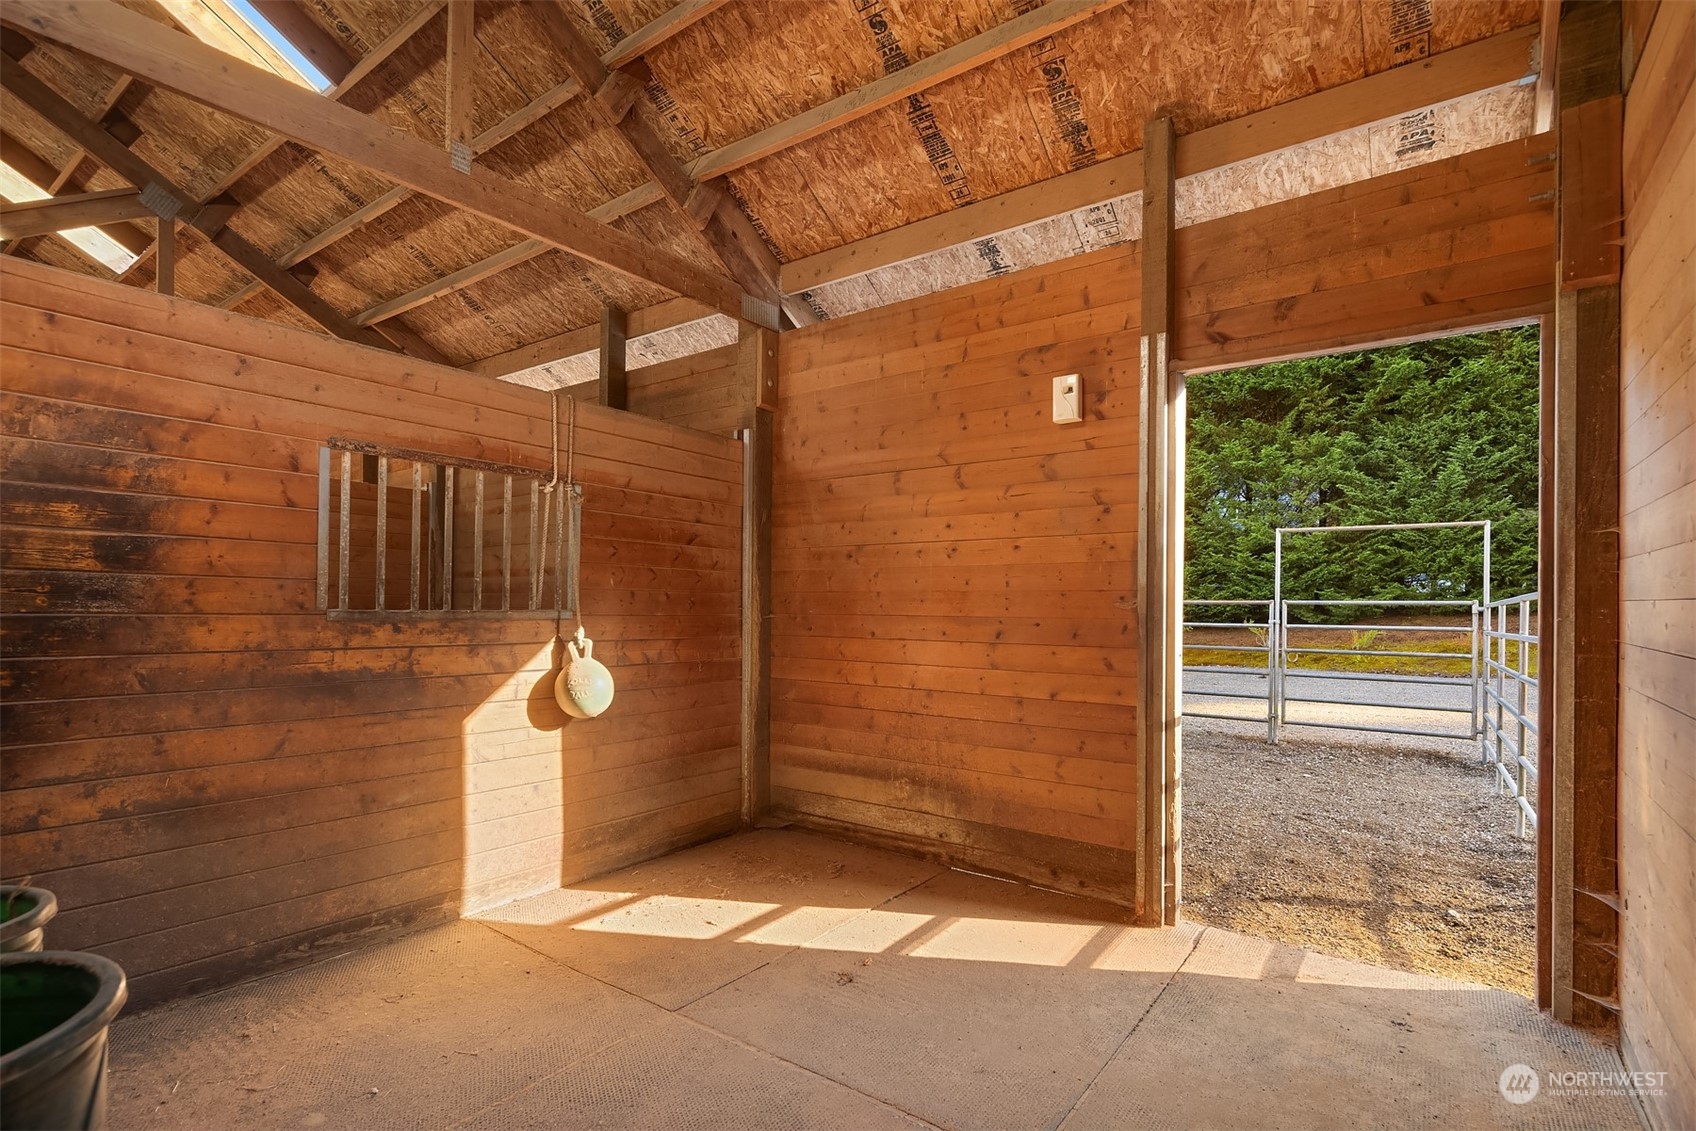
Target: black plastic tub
55,1008
23,912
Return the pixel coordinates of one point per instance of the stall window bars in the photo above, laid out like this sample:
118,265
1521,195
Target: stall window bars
411,534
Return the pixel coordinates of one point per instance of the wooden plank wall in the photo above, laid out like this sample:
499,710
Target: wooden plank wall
216,778
954,653
1658,533
703,391
953,660
1454,244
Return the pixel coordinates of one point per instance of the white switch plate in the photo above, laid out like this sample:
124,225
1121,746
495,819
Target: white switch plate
1068,399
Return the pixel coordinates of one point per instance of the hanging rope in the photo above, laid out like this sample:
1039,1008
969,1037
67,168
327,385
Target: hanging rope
548,490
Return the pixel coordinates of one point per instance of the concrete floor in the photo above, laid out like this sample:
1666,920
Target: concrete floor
780,979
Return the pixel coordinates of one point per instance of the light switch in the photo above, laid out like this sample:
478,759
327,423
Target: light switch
1068,399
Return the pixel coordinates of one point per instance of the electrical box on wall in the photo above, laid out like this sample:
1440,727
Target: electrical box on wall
1068,399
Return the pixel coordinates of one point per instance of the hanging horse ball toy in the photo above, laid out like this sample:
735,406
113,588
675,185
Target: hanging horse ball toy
584,686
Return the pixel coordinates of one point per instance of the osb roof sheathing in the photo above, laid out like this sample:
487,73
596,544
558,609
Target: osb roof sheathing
1081,95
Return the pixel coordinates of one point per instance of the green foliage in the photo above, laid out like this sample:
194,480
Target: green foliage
1440,431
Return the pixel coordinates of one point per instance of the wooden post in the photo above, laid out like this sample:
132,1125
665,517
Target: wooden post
165,257
614,384
462,81
1545,651
1585,607
757,369
1159,583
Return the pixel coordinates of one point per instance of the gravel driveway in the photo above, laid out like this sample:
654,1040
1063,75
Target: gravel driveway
1386,848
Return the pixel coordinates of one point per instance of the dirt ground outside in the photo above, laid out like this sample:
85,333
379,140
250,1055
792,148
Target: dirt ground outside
1397,854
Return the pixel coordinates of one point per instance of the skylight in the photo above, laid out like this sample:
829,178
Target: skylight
237,28
93,242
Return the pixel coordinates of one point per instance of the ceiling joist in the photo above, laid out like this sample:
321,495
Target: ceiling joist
113,35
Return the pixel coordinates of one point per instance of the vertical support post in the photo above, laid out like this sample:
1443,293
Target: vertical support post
462,82
614,385
165,256
1271,674
1545,653
757,372
1158,712
1584,603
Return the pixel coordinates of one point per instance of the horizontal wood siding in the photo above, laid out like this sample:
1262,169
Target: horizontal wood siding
1458,243
702,390
216,778
1658,548
953,643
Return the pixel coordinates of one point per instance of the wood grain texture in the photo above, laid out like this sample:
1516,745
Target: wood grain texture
1657,754
1458,243
217,779
953,659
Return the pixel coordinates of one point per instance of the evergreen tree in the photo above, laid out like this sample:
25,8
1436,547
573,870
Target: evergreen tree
1440,431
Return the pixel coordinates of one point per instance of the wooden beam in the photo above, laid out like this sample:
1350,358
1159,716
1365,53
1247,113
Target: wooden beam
363,67
55,214
1021,31
1584,919
458,280
462,81
68,171
557,347
111,34
756,365
1592,193
165,257
295,24
1158,709
366,64
472,273
1478,66
1548,36
525,115
614,384
656,31
171,200
728,231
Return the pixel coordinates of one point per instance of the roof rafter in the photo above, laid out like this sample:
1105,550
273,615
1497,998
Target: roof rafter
296,25
725,228
1440,78
363,67
661,28
40,173
649,320
82,210
110,33
172,202
645,39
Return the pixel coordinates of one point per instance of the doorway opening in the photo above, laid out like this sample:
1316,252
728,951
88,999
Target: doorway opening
1360,746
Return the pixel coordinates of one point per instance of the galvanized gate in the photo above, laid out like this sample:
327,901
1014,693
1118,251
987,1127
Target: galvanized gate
1489,699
